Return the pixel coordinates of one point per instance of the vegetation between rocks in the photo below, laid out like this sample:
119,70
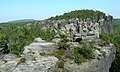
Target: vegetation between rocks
22,61
19,36
114,38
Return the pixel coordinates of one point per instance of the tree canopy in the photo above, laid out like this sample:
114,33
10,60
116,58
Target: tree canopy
81,14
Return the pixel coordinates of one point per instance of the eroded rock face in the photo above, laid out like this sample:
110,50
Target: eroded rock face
40,46
41,64
34,61
7,62
30,60
101,65
86,29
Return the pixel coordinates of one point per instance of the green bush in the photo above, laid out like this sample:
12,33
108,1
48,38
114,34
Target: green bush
68,39
43,54
105,38
103,43
87,52
79,58
61,64
63,45
84,53
22,60
69,55
58,54
63,35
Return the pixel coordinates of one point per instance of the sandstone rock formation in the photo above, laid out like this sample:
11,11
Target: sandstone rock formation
101,65
30,60
85,29
39,46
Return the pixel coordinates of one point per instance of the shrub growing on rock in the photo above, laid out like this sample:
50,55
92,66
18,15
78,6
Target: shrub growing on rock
87,52
43,54
61,64
103,43
22,60
105,39
82,54
63,45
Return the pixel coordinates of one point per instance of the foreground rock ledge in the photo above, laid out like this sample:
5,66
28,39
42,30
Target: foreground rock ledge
34,62
30,60
101,65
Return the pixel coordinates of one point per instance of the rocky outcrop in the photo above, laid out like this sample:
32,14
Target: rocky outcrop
41,64
31,60
85,29
40,46
7,62
34,60
96,65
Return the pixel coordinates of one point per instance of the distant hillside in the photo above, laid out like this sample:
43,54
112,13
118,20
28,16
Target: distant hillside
82,14
116,21
22,20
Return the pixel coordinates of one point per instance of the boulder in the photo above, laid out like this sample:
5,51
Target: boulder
38,40
56,40
37,47
7,57
94,65
42,64
31,59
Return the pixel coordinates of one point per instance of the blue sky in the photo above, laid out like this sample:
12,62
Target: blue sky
42,9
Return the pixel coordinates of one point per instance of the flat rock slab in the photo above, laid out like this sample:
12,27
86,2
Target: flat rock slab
40,47
43,64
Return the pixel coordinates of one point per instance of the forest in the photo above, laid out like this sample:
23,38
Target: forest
17,35
115,39
81,14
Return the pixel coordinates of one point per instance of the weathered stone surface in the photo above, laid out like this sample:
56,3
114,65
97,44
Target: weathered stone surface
40,46
30,60
101,65
42,64
56,40
7,62
34,61
38,40
57,36
7,57
86,29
